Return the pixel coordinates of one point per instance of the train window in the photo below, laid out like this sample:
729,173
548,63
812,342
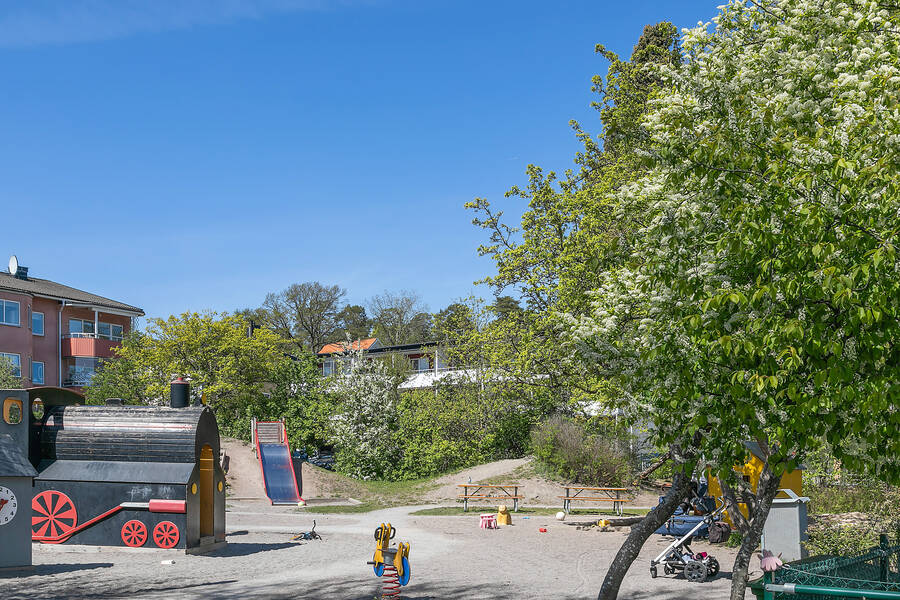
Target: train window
37,409
12,411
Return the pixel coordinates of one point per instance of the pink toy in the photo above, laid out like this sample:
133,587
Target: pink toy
769,562
489,521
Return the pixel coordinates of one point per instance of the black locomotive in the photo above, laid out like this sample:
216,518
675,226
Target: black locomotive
125,475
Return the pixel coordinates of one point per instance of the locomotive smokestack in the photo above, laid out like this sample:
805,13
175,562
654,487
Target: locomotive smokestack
179,393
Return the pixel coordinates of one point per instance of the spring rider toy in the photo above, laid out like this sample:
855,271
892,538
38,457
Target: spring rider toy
390,563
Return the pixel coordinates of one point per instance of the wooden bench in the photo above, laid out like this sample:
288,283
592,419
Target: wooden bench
480,491
601,494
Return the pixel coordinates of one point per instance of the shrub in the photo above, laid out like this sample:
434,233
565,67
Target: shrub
879,508
564,447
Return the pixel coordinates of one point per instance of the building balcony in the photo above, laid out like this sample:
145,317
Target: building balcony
88,345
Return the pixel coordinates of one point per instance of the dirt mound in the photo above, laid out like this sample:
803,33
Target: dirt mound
244,478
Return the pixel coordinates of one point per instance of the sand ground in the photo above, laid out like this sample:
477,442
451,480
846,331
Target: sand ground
450,558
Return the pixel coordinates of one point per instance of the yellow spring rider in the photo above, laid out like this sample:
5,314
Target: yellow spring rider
396,559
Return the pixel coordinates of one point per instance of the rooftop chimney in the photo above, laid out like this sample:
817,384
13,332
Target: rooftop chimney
179,393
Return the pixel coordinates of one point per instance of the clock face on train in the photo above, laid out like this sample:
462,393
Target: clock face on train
8,505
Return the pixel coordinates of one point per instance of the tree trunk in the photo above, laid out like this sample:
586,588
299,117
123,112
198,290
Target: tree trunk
766,490
646,472
640,532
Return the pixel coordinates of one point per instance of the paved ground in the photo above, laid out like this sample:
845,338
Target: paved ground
450,558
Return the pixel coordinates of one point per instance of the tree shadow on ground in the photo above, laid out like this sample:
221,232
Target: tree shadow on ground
54,569
245,549
49,588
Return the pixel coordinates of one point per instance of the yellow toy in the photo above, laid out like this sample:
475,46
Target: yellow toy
393,561
503,516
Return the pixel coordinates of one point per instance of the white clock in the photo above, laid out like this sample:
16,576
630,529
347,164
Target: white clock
8,505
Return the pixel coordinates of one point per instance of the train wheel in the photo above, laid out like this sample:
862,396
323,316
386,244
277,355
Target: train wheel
53,514
165,534
134,533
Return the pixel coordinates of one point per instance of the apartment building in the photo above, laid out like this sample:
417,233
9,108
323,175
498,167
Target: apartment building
54,334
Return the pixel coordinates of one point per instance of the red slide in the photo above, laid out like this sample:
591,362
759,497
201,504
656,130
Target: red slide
281,481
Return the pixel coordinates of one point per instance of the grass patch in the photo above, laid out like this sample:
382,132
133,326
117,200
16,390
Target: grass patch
343,509
456,511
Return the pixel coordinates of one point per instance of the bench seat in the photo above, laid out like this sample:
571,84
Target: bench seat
595,498
492,497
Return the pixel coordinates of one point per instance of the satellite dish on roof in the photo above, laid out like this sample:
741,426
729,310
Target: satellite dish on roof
13,264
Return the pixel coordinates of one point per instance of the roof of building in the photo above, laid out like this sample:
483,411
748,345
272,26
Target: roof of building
365,344
44,287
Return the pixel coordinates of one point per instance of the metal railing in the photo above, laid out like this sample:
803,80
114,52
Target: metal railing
94,336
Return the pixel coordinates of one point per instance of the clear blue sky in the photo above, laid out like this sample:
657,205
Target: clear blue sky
196,154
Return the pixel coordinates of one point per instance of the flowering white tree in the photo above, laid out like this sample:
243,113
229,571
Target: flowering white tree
366,425
763,296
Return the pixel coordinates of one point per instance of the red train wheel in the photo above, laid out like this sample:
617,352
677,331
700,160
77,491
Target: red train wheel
134,533
165,534
53,514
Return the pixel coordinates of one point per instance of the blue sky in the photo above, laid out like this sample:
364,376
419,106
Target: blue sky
196,154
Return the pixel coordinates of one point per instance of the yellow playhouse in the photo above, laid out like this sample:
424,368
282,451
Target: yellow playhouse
750,472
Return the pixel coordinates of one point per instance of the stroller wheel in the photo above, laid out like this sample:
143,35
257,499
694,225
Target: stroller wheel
668,570
712,567
653,572
695,571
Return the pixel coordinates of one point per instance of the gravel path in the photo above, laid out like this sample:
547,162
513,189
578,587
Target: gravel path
450,558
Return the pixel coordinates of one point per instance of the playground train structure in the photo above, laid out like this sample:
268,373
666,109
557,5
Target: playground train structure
117,475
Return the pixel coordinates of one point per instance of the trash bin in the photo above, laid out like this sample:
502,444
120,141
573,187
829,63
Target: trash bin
785,529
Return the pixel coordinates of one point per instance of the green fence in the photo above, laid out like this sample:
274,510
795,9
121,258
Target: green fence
873,574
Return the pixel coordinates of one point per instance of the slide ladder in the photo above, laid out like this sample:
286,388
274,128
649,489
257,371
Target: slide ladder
280,477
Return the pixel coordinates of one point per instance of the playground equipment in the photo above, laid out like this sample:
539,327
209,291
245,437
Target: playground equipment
678,555
123,475
281,473
390,563
503,516
16,477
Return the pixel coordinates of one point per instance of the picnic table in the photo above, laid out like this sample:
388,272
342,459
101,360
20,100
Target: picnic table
483,491
594,494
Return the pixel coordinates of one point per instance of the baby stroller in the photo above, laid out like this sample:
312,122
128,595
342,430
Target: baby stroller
678,556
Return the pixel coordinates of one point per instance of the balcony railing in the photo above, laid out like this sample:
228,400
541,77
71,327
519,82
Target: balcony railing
96,336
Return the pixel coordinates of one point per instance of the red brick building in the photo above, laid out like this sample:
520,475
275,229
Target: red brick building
54,334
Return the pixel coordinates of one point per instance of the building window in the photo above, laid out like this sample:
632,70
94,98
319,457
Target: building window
327,367
420,364
9,312
79,371
37,372
109,331
14,360
37,323
81,328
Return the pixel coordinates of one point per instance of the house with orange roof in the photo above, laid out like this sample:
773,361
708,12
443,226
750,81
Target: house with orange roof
421,357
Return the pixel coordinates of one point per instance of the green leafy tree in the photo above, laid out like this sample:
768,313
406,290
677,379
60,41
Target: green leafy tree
214,351
307,315
354,323
399,318
295,393
570,232
760,300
